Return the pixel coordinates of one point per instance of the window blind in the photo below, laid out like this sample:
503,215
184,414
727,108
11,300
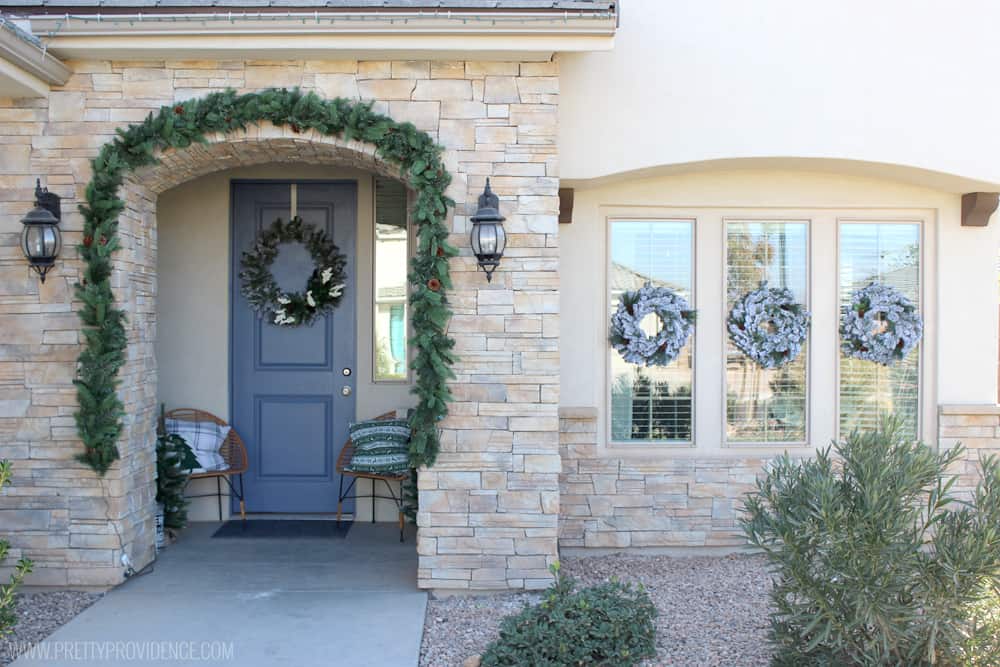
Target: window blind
886,253
651,404
766,405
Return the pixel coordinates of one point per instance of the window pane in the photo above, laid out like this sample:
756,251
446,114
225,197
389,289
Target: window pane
887,253
651,404
765,405
391,255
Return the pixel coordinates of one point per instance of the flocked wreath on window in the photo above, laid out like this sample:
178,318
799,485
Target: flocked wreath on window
880,324
675,318
769,326
325,285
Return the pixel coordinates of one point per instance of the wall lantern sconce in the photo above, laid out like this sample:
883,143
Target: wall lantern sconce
488,237
40,238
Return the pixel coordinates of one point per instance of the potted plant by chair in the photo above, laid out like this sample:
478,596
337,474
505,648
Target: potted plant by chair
174,461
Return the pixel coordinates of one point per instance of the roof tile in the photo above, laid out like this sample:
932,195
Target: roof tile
97,5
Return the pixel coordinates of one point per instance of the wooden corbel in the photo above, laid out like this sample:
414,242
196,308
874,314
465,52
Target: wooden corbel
977,207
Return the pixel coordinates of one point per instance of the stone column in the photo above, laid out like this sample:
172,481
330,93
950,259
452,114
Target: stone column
489,507
73,523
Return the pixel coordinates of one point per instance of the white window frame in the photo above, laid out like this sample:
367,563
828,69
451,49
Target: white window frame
410,245
756,218
609,351
708,382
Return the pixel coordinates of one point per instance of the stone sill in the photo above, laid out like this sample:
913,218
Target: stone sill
577,413
968,409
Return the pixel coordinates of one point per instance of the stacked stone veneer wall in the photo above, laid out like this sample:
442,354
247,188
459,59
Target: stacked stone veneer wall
609,501
977,428
660,501
489,508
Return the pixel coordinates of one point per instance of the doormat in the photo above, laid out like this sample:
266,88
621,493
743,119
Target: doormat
282,529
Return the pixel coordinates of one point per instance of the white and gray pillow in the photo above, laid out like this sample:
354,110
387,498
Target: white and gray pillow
205,440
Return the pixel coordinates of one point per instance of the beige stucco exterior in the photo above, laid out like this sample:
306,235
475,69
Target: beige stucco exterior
893,88
716,109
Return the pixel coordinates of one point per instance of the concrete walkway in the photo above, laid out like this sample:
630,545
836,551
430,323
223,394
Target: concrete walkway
260,602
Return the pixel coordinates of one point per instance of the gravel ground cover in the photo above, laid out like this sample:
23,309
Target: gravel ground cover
713,610
39,615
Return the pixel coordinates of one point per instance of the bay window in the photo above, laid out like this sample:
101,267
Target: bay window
821,256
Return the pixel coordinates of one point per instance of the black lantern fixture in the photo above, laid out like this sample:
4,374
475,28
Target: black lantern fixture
40,238
488,237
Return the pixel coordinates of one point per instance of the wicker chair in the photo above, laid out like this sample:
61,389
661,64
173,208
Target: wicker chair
344,460
233,452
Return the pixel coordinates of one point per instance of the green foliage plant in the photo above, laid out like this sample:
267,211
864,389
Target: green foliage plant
607,624
8,618
411,151
174,460
875,560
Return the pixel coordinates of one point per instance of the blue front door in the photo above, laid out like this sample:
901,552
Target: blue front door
292,388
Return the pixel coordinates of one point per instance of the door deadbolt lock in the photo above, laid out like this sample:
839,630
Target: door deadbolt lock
345,391
346,372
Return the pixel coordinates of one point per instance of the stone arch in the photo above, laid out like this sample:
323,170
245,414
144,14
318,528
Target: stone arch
118,287
135,271
260,144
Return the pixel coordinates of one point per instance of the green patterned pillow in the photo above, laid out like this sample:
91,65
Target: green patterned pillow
380,446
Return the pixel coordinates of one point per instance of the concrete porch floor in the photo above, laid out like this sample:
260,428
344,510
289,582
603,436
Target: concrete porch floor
301,602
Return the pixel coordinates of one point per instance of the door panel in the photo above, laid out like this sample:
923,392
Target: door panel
288,399
290,420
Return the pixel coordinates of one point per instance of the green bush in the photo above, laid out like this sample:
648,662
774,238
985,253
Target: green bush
875,562
174,461
23,567
608,624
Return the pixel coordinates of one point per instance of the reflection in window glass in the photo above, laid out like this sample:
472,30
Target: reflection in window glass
887,253
391,253
765,405
651,404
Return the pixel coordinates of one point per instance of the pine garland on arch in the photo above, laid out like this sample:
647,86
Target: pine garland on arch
99,418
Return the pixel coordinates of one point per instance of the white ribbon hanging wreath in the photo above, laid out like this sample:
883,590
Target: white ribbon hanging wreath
324,287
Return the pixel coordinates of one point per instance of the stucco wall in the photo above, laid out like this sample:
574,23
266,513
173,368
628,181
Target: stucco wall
893,81
194,268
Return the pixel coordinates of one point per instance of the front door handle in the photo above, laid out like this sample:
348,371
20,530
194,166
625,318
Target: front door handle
345,390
